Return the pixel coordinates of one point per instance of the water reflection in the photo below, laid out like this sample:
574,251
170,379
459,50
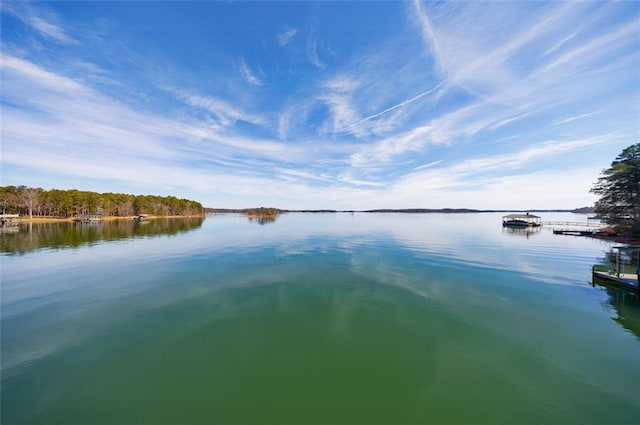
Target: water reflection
627,308
526,232
33,236
263,219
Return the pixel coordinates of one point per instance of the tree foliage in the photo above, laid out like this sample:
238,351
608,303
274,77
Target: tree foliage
66,203
619,190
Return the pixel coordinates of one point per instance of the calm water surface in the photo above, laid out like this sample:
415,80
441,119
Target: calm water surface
313,318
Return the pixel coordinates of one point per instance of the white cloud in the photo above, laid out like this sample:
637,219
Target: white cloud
495,181
350,179
338,97
511,119
486,62
577,117
478,171
312,53
286,36
284,123
406,102
444,130
502,62
225,113
39,75
428,34
41,21
385,150
594,50
428,165
248,75
570,190
53,123
298,175
560,43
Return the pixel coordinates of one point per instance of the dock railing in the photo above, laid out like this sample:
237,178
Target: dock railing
574,223
609,269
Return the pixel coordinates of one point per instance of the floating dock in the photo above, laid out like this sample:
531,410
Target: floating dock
618,275
89,218
627,281
573,232
579,228
579,232
9,220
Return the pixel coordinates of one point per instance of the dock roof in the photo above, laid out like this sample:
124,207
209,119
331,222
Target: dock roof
527,215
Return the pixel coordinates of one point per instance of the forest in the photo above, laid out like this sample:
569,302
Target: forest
37,202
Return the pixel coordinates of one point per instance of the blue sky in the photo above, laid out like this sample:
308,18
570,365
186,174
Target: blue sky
513,105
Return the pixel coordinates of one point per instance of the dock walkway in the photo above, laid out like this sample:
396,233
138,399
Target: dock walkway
579,232
624,280
575,228
574,223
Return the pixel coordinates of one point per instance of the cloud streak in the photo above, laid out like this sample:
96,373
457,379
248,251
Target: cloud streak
223,112
286,37
405,102
99,134
42,22
248,75
312,53
577,117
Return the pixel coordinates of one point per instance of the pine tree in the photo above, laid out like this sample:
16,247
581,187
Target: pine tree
619,190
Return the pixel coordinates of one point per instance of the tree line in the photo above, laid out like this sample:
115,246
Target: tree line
38,202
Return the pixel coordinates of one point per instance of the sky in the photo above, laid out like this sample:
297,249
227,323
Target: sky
339,105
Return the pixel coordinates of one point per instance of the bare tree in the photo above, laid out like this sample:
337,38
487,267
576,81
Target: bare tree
4,201
30,199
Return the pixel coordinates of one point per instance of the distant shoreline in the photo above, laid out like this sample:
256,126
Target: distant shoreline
391,210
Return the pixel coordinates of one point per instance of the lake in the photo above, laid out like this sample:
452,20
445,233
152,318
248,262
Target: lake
313,318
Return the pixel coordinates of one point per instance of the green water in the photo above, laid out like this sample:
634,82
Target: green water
314,318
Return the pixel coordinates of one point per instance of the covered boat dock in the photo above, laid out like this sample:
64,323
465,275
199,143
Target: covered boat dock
521,220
